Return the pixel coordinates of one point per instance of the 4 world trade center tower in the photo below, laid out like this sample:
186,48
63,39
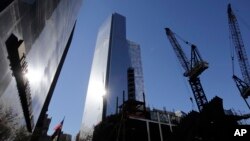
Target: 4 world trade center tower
113,56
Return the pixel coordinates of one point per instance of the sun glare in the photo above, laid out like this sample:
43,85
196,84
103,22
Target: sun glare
102,92
97,89
34,76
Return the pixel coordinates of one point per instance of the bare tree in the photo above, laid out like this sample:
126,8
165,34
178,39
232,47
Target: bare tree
87,137
5,130
9,128
22,134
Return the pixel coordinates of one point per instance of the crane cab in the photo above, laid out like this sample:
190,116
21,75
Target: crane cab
198,68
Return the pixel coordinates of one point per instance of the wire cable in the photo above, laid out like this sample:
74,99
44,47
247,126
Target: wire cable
183,40
231,51
243,21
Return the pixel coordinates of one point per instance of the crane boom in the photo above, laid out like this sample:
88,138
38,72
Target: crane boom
177,48
239,46
193,68
243,86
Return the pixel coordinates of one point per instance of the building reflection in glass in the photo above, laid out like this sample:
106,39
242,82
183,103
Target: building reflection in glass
44,28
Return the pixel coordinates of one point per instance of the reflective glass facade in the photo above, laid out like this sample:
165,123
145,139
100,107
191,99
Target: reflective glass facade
108,77
43,29
136,63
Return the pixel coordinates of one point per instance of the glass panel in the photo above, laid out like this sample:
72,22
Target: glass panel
45,27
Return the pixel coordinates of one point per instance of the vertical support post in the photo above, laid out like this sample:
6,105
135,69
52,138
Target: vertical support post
159,123
148,131
104,109
123,97
117,105
144,102
123,100
170,123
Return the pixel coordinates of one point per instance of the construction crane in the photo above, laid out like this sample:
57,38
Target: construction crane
242,85
193,68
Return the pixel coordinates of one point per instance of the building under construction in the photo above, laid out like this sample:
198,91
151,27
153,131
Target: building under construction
211,124
134,121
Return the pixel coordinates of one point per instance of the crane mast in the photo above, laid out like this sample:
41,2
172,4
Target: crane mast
243,85
193,68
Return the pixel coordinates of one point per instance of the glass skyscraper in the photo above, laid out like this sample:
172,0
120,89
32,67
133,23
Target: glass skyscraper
113,55
35,37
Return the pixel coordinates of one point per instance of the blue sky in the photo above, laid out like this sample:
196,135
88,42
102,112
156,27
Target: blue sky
203,23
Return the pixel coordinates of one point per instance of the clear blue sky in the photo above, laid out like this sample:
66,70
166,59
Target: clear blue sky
203,23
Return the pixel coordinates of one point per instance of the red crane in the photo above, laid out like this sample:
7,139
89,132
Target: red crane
193,68
242,85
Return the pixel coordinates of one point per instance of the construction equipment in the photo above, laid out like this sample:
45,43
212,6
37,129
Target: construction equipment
193,68
242,85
